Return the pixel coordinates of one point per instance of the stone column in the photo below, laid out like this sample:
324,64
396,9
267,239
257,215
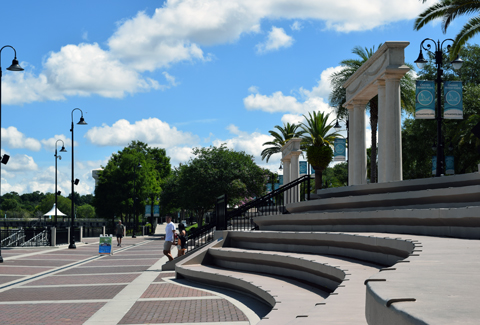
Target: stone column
351,145
393,163
360,166
295,173
382,129
286,176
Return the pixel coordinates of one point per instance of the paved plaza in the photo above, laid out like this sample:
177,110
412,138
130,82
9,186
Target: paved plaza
57,285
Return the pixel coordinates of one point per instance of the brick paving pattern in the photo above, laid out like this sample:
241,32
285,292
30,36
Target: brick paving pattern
62,257
99,270
19,270
172,291
183,311
119,262
164,275
85,279
134,256
43,262
5,279
61,293
48,314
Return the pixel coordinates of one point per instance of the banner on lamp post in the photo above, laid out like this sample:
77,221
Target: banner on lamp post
280,179
339,149
450,165
303,167
453,106
434,165
425,100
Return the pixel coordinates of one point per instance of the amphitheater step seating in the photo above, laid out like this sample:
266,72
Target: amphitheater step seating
296,274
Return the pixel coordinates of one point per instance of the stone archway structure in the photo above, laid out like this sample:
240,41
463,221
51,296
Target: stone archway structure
380,75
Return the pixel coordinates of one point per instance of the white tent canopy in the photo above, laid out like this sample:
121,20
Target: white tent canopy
52,212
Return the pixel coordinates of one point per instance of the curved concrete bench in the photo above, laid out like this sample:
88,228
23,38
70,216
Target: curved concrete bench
286,256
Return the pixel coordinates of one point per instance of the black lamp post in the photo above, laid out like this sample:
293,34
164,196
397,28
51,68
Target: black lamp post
457,64
74,182
57,192
135,199
4,159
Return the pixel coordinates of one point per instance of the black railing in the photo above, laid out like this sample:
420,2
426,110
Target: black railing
241,218
89,231
62,236
272,203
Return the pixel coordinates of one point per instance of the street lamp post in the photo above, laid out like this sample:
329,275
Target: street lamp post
57,192
74,182
4,159
135,199
457,64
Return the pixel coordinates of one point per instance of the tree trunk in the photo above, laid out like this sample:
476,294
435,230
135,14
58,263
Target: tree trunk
373,125
318,178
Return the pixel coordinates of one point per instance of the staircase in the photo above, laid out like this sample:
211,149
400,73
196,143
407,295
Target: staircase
357,255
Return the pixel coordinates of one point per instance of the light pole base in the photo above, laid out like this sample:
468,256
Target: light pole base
72,246
133,236
1,259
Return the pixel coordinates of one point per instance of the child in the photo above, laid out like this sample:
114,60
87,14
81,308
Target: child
182,243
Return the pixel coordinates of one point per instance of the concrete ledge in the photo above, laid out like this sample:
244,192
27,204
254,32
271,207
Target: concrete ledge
455,222
430,197
308,268
401,186
381,251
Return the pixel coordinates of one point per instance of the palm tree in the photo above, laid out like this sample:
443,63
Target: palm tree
338,97
287,132
317,141
448,10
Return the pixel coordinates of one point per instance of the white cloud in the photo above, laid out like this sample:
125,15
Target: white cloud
276,39
251,143
315,99
15,139
21,163
152,131
179,155
49,144
296,25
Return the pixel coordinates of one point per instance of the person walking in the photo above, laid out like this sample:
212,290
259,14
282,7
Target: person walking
169,238
119,231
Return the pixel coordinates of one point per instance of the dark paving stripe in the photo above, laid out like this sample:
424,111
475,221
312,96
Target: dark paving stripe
186,311
61,293
48,314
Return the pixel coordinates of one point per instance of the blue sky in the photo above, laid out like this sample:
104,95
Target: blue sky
175,74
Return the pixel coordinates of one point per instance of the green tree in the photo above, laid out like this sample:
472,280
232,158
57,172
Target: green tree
213,171
338,96
287,132
318,140
114,195
447,11
9,204
86,211
64,204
